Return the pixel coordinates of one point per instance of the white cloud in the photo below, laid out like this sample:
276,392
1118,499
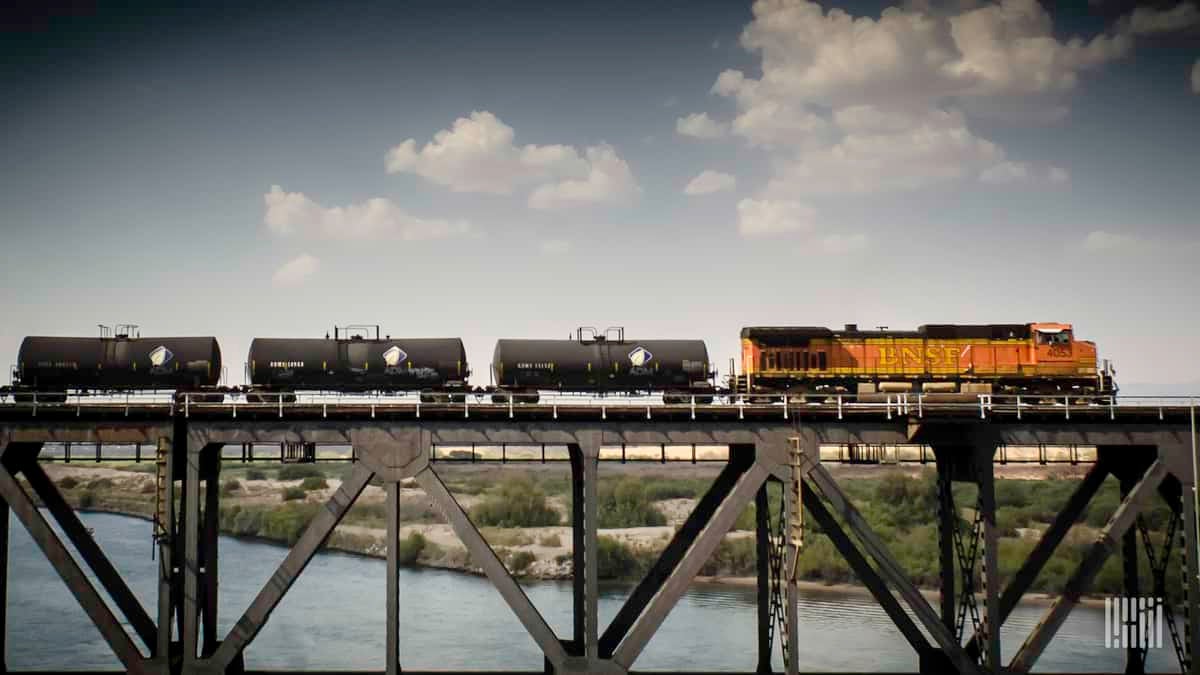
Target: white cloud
1196,77
1006,173
699,125
859,104
477,154
295,271
552,247
709,181
763,217
293,213
839,244
608,179
1102,241
1151,21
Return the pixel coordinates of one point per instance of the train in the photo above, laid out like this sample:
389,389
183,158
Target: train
776,362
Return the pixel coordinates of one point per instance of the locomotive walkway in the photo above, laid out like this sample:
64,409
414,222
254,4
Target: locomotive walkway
1148,445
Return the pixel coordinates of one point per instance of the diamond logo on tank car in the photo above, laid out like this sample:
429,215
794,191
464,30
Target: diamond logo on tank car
394,356
160,356
640,357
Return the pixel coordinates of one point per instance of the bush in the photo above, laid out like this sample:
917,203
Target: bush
552,541
733,557
313,483
615,560
675,488
68,483
519,561
410,548
287,523
87,499
100,484
230,486
626,504
299,472
256,474
517,503
292,493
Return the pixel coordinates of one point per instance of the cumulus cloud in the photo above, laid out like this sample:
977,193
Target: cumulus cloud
1151,21
477,154
608,179
699,125
859,104
295,271
294,213
709,181
1196,77
552,247
764,217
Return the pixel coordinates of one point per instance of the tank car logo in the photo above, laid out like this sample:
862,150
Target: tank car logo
640,357
393,356
160,356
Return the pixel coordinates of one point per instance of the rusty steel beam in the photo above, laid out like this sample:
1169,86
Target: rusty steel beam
108,576
699,552
256,615
72,575
889,569
864,572
1045,547
483,554
669,559
1124,517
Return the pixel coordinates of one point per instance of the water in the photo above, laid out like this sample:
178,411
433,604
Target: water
334,618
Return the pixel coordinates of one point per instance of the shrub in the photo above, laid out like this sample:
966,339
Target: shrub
286,523
256,474
87,499
68,482
100,484
230,486
675,488
299,472
313,483
616,560
516,503
733,557
552,540
520,561
292,493
410,548
626,504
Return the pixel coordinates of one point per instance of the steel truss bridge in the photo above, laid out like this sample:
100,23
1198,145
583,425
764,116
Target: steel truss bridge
1148,445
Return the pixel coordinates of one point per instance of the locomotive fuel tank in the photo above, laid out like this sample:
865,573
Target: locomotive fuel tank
121,362
602,364
357,363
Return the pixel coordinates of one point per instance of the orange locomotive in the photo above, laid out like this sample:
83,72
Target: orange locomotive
944,359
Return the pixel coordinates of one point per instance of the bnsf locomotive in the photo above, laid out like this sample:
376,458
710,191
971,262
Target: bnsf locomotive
940,359
1039,358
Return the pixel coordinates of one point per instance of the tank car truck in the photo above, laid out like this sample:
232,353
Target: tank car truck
357,359
602,363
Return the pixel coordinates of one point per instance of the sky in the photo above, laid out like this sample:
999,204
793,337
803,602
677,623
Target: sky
680,168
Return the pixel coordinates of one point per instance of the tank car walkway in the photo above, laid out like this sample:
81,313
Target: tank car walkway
1148,445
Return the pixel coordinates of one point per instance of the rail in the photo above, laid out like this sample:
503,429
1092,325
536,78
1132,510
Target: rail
786,407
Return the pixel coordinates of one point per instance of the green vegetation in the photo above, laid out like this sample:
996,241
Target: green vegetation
516,502
87,500
293,493
519,561
256,474
411,547
502,537
550,541
617,560
67,483
231,486
101,484
627,504
299,472
313,483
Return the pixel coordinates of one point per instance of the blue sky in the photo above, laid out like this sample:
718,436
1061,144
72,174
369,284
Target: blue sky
682,169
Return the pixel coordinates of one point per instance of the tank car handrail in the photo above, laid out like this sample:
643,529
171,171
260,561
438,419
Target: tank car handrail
345,330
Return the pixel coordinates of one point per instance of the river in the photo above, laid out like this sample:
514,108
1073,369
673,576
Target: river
333,618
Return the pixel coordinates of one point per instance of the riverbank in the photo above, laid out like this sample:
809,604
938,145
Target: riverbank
275,506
